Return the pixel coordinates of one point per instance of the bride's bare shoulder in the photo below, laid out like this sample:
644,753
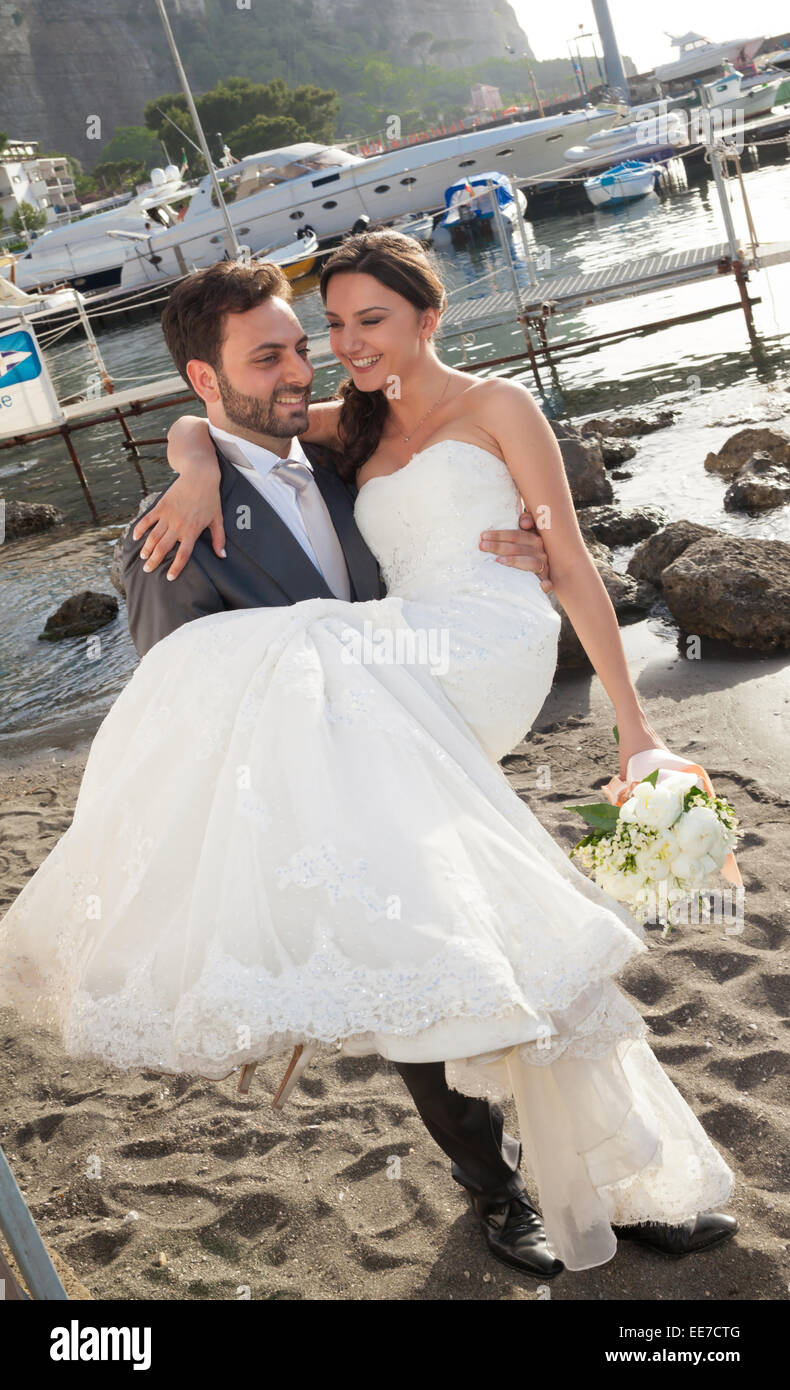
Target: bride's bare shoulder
493,393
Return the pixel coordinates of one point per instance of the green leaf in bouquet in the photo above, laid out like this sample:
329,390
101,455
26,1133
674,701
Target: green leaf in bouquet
600,815
652,777
616,733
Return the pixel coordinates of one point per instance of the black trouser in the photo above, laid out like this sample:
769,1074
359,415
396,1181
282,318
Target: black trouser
471,1131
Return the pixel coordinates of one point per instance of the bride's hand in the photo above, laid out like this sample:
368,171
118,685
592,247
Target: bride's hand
635,737
190,505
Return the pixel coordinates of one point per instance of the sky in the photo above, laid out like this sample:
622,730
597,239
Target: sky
640,28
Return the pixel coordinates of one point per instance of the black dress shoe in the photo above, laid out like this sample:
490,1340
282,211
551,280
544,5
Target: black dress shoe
515,1235
708,1229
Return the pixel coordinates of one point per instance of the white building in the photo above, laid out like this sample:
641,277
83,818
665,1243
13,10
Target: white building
43,181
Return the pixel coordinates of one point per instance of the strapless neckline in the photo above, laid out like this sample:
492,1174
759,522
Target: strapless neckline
459,443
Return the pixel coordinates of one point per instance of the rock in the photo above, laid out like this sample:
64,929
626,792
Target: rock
584,468
734,589
81,614
616,451
741,447
597,549
615,527
758,484
629,598
26,518
628,425
659,550
115,575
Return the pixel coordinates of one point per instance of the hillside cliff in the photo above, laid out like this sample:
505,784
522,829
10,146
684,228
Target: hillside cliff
63,61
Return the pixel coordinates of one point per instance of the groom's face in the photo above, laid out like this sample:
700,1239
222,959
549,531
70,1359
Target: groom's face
261,386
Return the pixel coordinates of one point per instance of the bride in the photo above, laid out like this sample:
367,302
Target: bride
293,828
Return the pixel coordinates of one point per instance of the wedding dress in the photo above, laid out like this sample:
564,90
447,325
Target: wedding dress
292,827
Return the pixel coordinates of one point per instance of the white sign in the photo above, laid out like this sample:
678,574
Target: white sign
28,399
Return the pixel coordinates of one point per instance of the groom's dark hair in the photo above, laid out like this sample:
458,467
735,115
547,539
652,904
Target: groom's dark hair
193,321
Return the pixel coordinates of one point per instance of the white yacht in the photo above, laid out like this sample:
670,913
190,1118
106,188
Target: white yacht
697,54
83,255
273,195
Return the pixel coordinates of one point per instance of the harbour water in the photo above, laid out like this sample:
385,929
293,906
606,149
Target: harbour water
707,371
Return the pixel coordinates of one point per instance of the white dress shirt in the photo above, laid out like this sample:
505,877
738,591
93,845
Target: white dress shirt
276,491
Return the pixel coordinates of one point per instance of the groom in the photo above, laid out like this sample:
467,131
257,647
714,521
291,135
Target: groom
290,535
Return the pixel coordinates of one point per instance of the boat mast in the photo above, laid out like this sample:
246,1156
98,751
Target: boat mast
231,241
615,72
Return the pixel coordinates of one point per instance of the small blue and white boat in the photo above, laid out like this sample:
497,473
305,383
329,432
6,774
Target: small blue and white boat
622,184
470,206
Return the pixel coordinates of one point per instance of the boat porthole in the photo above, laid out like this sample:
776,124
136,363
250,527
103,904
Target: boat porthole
467,163
330,204
382,188
294,215
502,154
409,180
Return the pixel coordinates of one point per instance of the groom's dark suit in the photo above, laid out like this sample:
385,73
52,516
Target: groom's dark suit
267,567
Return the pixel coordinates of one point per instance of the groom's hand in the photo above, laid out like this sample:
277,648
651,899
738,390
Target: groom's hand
524,549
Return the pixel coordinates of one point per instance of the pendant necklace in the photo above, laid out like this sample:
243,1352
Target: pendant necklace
407,437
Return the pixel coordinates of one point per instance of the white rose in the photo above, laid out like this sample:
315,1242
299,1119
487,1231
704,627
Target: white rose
628,810
658,807
721,846
687,868
698,830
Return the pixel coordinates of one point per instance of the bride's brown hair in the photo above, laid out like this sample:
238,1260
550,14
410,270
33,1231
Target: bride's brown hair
400,263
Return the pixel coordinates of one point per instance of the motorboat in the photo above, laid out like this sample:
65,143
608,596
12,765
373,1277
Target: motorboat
656,137
144,265
624,183
470,204
16,303
753,95
82,254
696,55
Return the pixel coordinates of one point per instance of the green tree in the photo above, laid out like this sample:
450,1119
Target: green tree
421,42
236,104
27,218
266,133
134,142
118,176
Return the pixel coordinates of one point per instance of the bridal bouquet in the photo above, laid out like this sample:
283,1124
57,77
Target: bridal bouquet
659,838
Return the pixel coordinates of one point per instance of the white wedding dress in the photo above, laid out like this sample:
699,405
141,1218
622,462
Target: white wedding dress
292,826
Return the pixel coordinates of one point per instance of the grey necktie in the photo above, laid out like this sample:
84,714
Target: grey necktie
318,524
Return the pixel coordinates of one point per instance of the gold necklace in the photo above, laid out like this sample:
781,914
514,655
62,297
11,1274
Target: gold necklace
407,437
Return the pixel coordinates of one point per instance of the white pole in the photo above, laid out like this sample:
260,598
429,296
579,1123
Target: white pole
505,240
710,145
230,235
106,379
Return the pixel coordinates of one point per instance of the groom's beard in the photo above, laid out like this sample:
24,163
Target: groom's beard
261,416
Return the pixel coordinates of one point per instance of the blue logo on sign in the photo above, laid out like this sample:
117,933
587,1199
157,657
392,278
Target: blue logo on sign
19,359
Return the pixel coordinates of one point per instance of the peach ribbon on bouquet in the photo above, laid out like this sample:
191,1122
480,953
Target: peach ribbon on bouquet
617,791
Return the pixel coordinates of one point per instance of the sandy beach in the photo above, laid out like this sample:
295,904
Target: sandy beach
178,1188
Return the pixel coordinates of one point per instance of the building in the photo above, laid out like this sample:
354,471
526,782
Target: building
485,98
44,181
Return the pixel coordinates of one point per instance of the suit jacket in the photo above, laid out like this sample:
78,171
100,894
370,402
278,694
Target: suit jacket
265,565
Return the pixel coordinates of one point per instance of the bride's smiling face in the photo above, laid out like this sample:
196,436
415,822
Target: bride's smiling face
373,331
